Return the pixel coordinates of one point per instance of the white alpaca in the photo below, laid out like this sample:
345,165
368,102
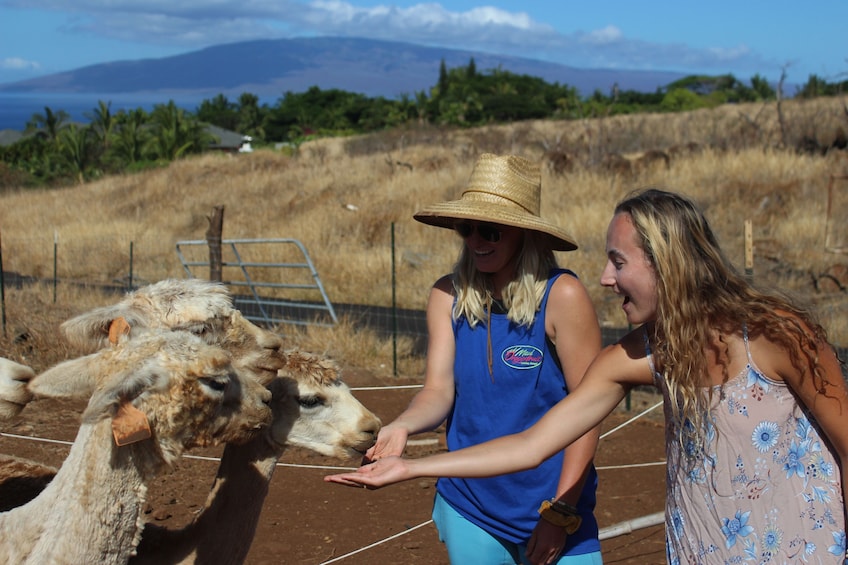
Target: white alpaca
151,398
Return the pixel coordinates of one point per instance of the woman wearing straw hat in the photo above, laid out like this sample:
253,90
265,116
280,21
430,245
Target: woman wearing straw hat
509,335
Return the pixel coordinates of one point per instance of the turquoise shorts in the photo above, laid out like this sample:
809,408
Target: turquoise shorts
468,543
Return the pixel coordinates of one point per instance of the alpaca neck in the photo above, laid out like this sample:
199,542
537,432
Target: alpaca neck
91,512
221,534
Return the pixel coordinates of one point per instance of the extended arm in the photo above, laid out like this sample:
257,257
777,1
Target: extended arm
618,368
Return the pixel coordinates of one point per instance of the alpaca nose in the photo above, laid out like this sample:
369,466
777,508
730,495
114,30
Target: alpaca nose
373,426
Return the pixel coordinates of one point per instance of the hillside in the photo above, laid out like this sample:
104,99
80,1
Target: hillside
269,68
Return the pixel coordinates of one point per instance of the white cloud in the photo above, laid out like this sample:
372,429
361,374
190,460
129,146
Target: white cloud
609,34
18,64
724,54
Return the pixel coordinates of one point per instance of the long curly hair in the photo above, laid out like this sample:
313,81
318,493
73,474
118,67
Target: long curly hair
700,295
522,297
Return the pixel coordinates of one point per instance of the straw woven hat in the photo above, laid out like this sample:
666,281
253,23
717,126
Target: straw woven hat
504,190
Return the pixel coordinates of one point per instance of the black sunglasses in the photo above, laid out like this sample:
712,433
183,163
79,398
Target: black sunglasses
487,231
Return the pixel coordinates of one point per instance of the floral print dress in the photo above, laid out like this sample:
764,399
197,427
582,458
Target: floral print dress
765,488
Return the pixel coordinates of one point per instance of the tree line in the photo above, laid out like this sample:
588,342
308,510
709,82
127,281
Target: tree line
56,151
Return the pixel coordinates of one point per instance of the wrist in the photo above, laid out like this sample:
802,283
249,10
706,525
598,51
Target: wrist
564,508
561,514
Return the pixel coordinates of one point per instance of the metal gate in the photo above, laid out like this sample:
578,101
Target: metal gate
273,281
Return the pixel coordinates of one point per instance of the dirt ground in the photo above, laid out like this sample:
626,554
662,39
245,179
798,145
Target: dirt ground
306,521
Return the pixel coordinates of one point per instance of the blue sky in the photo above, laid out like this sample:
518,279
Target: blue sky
743,37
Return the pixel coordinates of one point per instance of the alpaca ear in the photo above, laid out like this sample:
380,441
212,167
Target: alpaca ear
95,329
74,378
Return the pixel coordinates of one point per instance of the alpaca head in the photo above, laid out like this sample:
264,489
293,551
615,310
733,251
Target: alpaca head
187,393
200,307
313,408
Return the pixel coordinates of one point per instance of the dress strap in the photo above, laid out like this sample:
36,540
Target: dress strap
747,349
659,380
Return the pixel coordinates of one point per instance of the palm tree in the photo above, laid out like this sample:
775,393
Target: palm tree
102,124
48,123
131,136
175,133
76,146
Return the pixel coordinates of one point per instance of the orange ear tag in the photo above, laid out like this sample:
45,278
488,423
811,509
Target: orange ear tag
130,425
118,327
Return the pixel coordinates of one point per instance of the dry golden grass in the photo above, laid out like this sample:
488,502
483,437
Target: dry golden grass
339,197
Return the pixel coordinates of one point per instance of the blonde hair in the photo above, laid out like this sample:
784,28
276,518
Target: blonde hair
699,292
522,296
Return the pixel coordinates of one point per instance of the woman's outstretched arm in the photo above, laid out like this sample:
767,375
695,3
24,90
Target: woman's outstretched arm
616,370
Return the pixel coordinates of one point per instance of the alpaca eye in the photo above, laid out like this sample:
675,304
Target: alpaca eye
310,401
198,329
218,385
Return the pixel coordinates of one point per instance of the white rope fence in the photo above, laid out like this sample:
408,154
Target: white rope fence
615,530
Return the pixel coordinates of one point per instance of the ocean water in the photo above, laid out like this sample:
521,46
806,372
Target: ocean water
17,109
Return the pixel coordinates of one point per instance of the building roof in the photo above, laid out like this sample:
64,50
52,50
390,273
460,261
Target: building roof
227,139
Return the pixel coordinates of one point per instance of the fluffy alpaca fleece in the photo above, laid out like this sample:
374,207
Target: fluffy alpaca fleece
188,394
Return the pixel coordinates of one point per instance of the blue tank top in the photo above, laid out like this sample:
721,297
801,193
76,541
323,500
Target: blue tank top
526,382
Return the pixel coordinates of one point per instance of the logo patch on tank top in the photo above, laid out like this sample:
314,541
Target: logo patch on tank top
522,357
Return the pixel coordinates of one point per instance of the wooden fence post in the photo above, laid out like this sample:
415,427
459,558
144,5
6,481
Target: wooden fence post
213,239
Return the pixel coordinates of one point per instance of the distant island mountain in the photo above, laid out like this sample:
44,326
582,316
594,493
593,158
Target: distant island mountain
269,68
